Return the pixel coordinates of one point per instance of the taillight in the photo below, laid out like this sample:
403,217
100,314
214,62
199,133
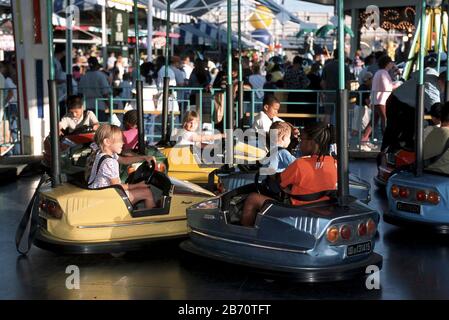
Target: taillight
51,207
421,196
404,192
371,226
362,229
433,197
345,232
395,191
332,234
220,187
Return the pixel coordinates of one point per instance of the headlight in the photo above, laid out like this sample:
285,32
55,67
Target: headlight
207,205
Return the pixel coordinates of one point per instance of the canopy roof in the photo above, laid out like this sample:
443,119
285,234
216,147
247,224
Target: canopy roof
159,7
205,33
198,8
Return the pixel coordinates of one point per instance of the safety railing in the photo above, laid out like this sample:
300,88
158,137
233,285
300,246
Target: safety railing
10,137
320,105
180,101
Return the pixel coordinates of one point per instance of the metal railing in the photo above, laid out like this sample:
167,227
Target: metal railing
183,99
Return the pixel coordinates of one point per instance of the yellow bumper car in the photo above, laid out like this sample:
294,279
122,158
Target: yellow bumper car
70,218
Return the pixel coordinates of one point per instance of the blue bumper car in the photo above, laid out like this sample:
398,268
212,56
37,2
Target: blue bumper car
317,242
421,201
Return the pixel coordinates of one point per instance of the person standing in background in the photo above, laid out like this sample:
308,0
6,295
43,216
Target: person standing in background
60,77
382,87
94,85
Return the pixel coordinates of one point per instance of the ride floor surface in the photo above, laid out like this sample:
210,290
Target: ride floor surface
415,266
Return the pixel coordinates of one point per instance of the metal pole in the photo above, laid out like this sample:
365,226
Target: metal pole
104,36
240,83
139,84
419,116
229,124
150,31
440,38
446,87
165,93
140,122
68,55
136,32
342,114
53,103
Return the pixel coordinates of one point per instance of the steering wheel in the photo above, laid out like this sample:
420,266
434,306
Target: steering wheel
269,187
80,130
144,173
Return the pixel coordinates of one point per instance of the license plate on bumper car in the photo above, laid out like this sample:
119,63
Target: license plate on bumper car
359,248
408,207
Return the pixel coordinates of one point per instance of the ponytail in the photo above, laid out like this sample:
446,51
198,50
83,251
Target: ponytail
324,136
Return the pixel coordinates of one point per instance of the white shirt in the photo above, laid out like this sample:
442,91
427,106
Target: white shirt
149,94
429,129
263,122
186,137
187,70
111,61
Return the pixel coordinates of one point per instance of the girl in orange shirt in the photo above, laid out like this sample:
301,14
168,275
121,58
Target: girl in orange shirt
315,172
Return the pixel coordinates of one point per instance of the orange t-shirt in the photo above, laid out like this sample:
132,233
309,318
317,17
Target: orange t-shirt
307,176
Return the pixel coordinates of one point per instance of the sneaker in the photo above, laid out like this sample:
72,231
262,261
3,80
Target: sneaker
365,148
372,146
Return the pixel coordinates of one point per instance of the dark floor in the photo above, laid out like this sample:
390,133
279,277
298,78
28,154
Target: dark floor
415,267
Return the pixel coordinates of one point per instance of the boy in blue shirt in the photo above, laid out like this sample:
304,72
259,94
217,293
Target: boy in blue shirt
279,157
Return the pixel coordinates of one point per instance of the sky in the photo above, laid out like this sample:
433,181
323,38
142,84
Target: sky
294,5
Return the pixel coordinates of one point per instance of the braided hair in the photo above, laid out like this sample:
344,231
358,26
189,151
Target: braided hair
324,136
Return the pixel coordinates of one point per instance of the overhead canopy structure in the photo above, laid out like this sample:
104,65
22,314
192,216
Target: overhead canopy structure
205,33
159,8
198,8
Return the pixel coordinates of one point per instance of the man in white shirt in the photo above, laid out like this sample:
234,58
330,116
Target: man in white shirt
187,67
60,77
111,61
268,115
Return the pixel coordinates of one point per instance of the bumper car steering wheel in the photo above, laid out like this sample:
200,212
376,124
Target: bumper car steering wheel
144,172
80,130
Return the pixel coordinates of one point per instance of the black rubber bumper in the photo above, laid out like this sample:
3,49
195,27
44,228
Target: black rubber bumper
8,175
64,247
434,227
341,272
